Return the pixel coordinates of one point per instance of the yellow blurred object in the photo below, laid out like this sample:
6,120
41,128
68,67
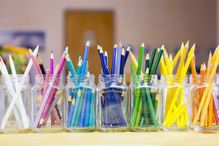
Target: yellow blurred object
14,49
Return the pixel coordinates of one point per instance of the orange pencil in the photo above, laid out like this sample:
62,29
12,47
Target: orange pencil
194,81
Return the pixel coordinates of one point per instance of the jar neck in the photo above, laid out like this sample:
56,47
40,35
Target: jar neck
112,78
82,79
144,79
174,79
41,79
19,78
198,79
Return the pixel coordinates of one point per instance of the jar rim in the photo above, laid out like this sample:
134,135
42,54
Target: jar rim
20,76
110,75
91,76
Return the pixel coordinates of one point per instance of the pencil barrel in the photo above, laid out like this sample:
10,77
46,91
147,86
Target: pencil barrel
176,103
144,103
15,104
112,103
48,98
79,105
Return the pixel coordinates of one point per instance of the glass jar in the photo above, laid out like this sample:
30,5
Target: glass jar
79,105
144,103
204,103
112,101
48,95
15,104
175,107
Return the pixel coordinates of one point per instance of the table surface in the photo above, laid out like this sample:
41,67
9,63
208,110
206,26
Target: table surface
126,138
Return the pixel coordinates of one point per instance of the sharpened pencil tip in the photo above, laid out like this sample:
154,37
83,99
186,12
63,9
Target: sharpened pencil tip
128,49
142,45
115,46
105,53
182,45
123,51
66,49
193,46
88,43
147,56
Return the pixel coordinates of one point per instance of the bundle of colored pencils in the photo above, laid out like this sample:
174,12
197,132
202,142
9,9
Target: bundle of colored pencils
15,92
113,92
175,106
81,94
51,92
144,100
204,104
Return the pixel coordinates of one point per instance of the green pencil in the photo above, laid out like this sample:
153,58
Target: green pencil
152,58
140,59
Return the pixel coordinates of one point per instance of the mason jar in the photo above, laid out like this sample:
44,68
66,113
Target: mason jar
15,104
144,103
79,105
112,103
204,93
176,101
48,94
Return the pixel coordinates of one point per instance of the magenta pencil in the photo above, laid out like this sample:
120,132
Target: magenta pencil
51,63
53,90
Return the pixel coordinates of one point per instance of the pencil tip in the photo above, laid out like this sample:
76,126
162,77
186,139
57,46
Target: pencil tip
88,43
105,53
129,48
193,46
115,46
142,45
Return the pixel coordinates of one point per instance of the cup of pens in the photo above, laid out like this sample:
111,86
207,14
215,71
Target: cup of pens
175,106
79,105
48,93
112,101
15,105
144,103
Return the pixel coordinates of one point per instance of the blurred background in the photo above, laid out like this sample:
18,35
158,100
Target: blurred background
54,24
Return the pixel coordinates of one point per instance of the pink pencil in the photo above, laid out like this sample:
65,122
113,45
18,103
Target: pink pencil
36,66
51,63
53,90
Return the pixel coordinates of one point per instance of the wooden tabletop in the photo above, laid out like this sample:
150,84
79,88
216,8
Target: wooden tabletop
98,139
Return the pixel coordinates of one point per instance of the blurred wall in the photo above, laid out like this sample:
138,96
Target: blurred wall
150,21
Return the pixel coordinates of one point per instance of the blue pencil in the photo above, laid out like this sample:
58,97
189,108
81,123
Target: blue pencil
118,58
122,61
114,60
87,110
87,48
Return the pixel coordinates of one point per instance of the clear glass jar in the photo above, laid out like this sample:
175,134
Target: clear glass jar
112,103
204,103
175,107
79,105
144,103
15,104
48,95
